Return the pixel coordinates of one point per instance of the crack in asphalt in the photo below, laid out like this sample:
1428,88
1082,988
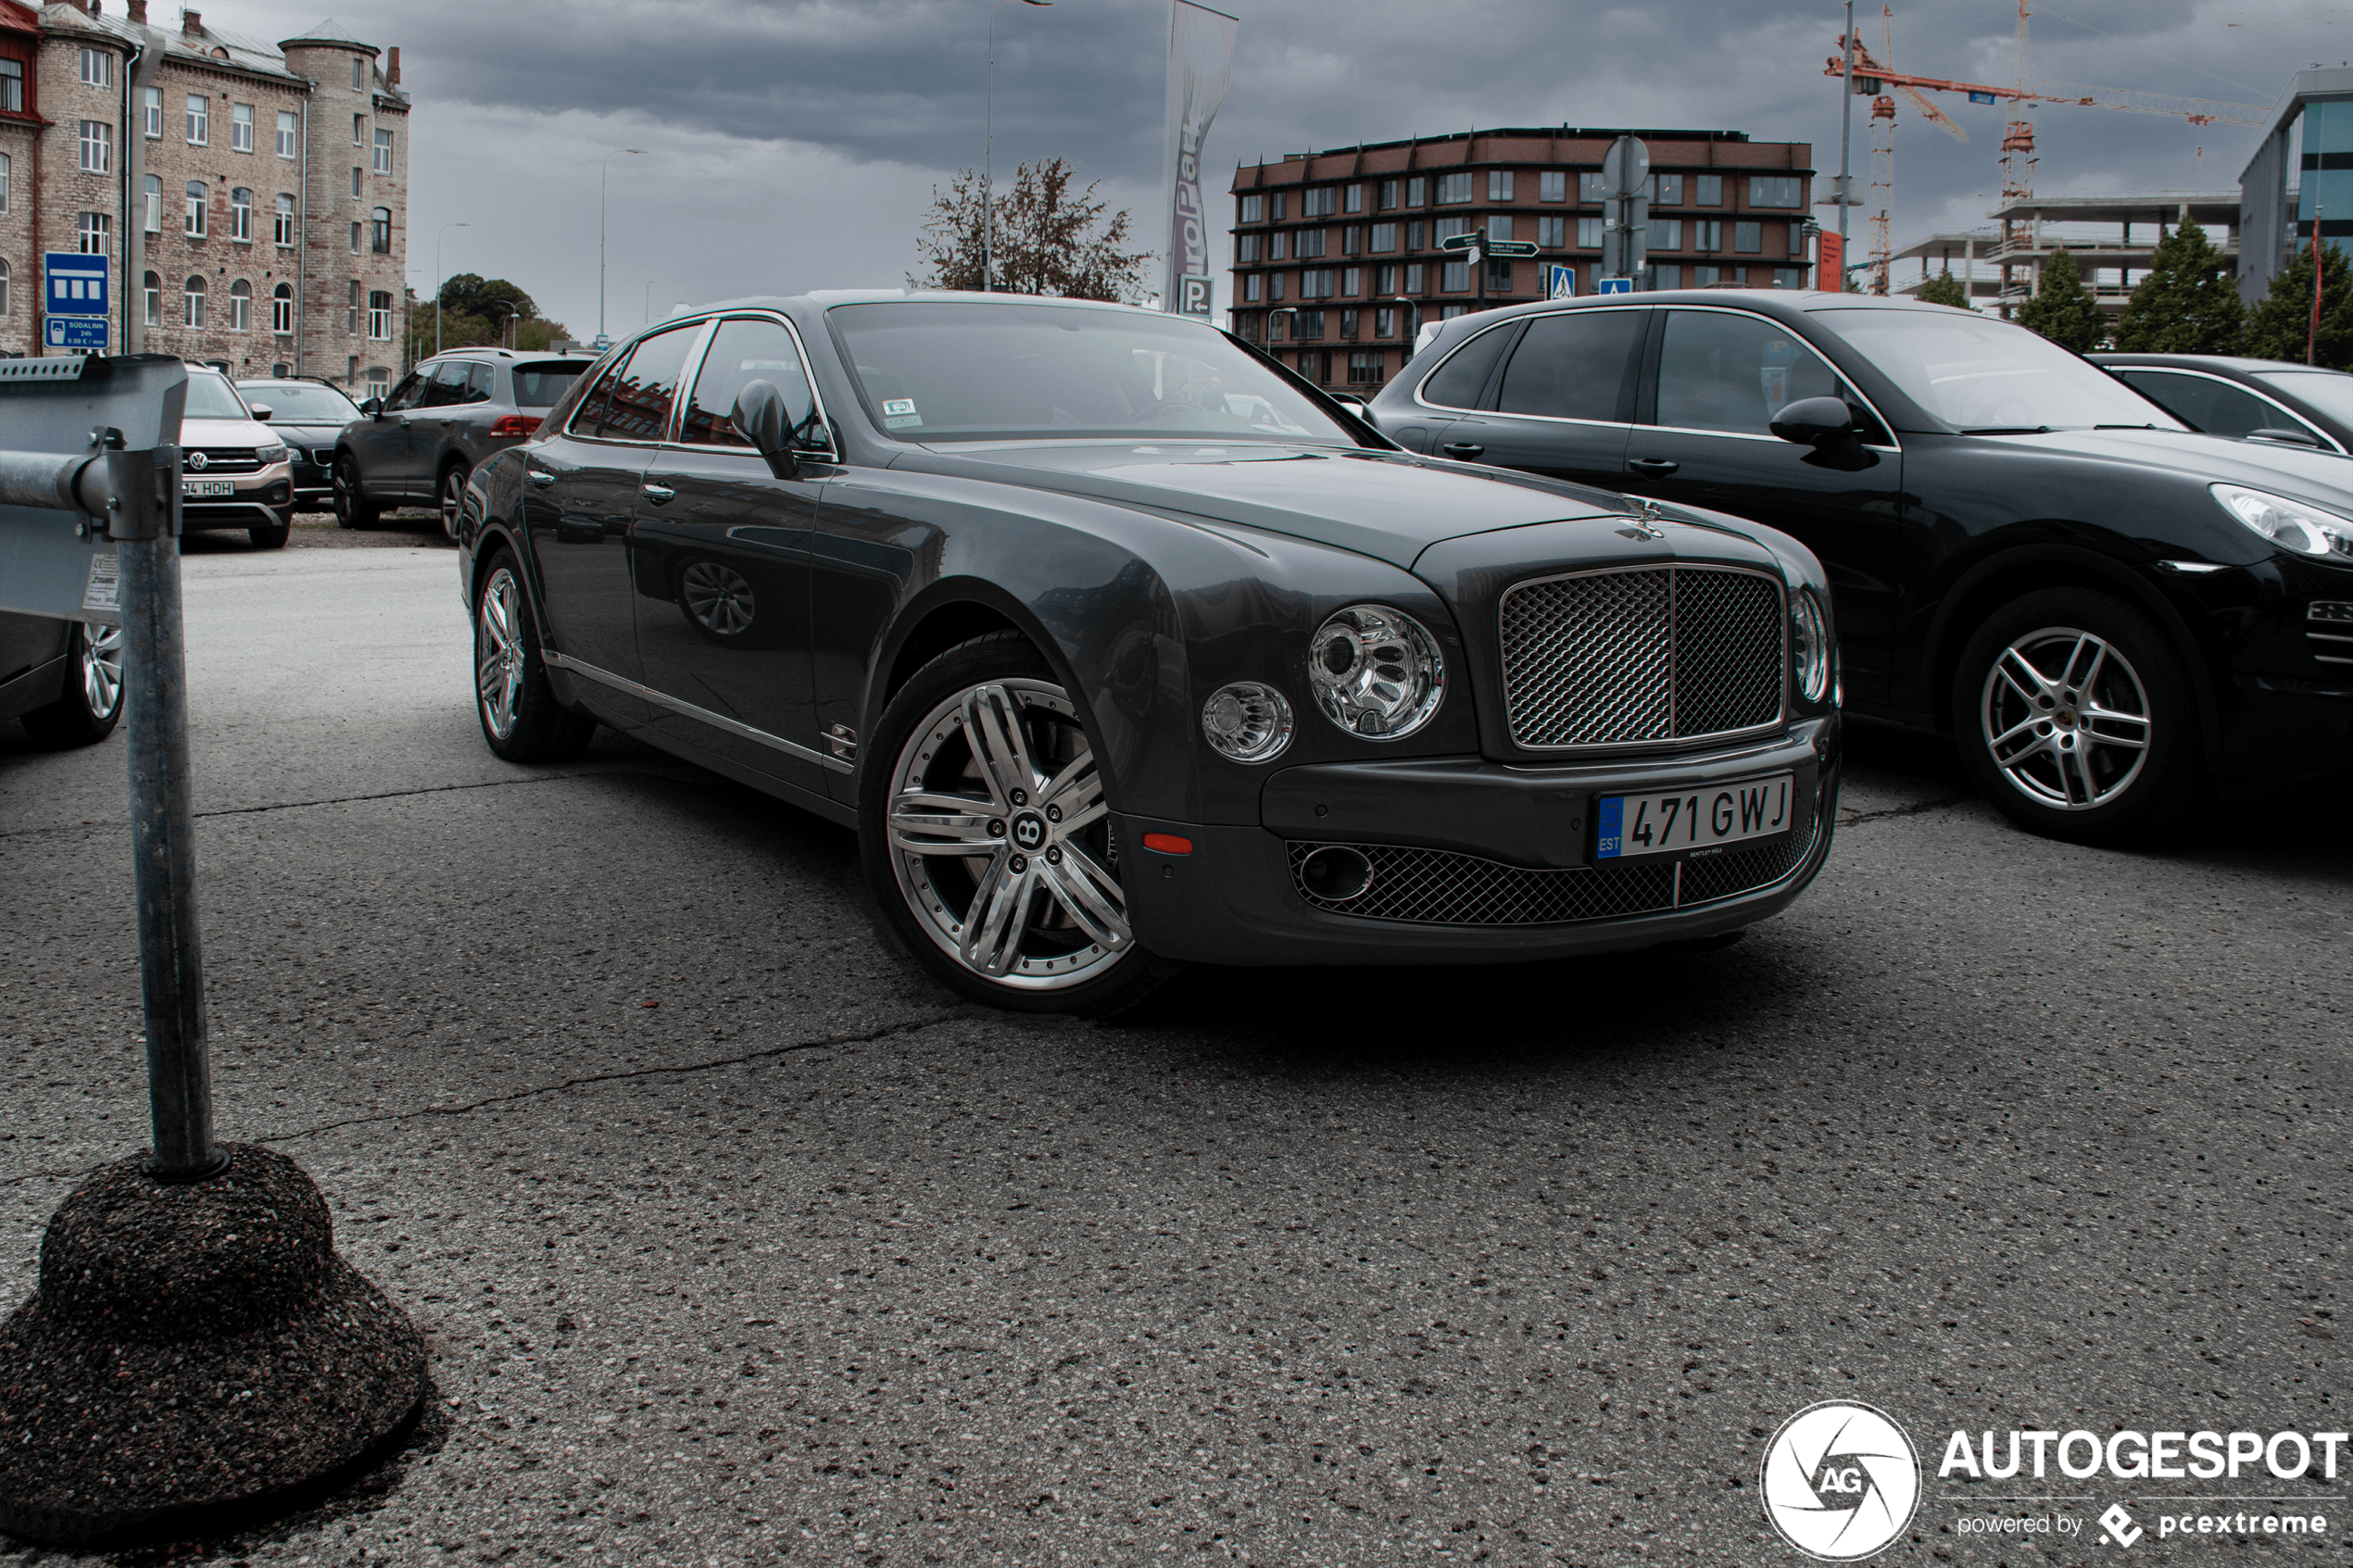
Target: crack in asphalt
1914,810
586,1080
658,770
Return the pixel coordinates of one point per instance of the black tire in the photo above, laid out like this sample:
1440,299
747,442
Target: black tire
2091,706
1067,947
272,538
91,704
451,494
353,510
521,718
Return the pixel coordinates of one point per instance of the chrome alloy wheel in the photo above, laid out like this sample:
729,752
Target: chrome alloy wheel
498,652
1001,841
2066,717
101,669
453,497
718,596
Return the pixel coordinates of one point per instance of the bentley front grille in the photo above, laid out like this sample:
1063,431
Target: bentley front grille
1440,887
1644,655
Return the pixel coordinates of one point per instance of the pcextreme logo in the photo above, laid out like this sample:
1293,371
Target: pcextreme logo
1840,1481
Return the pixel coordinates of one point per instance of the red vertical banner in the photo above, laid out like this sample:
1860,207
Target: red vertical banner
1829,266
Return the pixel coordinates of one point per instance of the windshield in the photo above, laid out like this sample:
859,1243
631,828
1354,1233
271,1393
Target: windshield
947,371
1991,377
2329,391
211,397
302,403
538,385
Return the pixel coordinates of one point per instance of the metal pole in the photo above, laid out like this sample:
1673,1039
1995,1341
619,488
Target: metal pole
438,280
1846,140
989,154
604,173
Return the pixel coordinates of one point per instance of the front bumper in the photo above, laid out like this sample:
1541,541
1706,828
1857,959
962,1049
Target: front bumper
263,499
1476,863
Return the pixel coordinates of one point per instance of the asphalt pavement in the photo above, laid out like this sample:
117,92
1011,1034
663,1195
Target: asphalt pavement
735,1239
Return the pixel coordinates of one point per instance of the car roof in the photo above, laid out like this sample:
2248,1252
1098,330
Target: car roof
2210,362
825,300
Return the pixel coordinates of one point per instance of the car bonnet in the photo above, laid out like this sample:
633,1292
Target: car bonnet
2323,478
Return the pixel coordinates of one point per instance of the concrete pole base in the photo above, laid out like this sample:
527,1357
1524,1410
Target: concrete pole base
194,1351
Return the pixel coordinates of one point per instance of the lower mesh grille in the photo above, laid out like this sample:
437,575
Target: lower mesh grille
1440,887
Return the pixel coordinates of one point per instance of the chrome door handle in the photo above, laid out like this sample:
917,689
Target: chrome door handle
1657,467
1466,450
542,477
657,493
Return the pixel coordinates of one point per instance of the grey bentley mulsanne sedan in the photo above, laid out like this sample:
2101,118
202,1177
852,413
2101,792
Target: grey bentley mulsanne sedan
1121,647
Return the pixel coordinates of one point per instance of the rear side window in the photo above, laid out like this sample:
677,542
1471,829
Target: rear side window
539,385
477,384
1463,378
2214,407
1573,366
744,352
637,406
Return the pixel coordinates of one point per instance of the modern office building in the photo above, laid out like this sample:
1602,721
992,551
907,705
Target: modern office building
1335,254
2303,170
251,198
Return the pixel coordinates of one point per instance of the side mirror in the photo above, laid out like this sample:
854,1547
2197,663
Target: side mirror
373,406
1815,421
261,411
760,418
2284,437
1349,399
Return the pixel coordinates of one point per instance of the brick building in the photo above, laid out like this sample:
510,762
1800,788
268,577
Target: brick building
214,172
1336,258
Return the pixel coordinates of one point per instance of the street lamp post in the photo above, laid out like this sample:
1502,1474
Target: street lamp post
603,172
989,154
649,302
438,280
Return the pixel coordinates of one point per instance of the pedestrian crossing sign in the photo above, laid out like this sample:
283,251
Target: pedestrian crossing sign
1560,282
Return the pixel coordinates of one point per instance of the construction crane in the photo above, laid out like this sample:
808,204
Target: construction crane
1884,141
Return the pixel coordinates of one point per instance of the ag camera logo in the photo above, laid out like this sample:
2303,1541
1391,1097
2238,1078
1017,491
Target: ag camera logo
1840,1481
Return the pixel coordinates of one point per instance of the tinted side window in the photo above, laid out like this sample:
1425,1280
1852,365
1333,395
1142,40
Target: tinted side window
447,385
477,384
406,394
741,353
1573,366
1464,376
2209,405
640,398
1732,373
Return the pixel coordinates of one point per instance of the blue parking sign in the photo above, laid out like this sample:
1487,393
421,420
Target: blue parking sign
80,332
77,284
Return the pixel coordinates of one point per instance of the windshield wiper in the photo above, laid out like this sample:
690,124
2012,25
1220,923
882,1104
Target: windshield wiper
2009,430
2124,427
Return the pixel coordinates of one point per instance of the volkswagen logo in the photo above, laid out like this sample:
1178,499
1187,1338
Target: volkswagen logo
198,460
1840,1481
1029,829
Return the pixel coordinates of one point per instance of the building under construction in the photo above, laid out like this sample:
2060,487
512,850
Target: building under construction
2000,268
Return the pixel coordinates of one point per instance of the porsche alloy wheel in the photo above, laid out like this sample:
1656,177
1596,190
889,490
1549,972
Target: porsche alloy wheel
2066,719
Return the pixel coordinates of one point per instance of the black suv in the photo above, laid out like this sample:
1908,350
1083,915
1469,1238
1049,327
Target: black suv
308,414
447,415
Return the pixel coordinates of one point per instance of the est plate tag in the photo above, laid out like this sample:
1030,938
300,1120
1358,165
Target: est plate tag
1691,821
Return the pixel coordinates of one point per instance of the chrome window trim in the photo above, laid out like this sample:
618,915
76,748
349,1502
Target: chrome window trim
1534,315
829,452
686,709
2122,373
1778,722
1896,441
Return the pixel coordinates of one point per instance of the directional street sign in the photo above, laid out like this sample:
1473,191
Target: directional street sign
1511,247
77,284
1560,282
1460,242
1612,285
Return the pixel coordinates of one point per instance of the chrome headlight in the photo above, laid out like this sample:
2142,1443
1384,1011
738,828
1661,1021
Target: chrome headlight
266,456
2291,525
1809,642
1247,722
1376,673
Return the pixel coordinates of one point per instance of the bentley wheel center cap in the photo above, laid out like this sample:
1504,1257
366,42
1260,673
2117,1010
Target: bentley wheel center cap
1029,832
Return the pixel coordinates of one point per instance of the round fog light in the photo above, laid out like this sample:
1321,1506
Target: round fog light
1247,722
1336,873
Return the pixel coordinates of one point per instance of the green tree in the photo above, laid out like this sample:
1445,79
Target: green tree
2188,304
2282,319
1049,239
1944,289
473,295
476,313
2062,309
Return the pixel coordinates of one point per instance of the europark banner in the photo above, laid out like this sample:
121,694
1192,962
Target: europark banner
1201,67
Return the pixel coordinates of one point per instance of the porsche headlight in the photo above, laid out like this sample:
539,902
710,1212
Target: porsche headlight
1376,673
1809,641
2291,525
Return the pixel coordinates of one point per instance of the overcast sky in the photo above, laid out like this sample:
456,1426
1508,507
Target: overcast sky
794,143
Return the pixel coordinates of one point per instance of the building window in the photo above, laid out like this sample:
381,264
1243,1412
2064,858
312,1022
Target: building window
1499,277
98,146
1706,277
1253,209
1414,235
3,181
1384,238
1315,283
1347,325
1417,191
12,86
199,119
1453,188
380,230
1312,243
241,215
1351,240
1748,238
1552,186
1365,366
97,69
1499,226
1552,232
281,226
1447,312
1789,277
1353,198
1796,239
384,152
1275,286
1251,287
1385,196
1589,233
1592,189
151,112
1711,189
1412,278
241,307
355,229
194,289
192,221
1246,249
241,128
4,287
1308,326
93,234
1667,233
380,316
285,134
1385,321
1454,277
1773,190
1499,184
1667,190
1351,280
1384,280
1315,364
359,130
1447,228
151,196
1707,235
356,174
1321,202
351,314
1275,205
281,310
151,300
1274,247
1668,275
358,73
